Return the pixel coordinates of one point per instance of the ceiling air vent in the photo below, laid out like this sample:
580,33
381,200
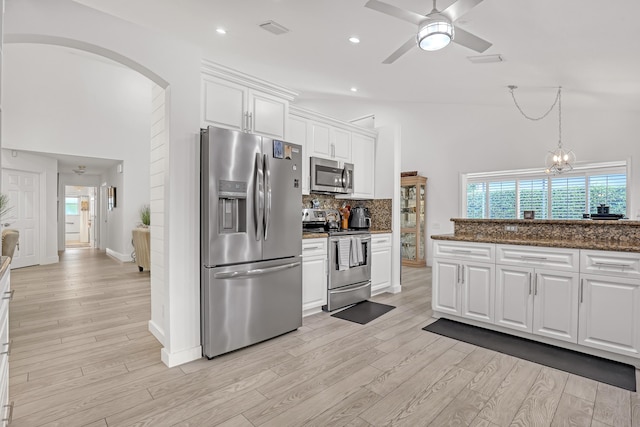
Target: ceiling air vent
485,59
274,28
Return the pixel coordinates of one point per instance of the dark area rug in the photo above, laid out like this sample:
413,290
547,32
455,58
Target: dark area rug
363,312
596,368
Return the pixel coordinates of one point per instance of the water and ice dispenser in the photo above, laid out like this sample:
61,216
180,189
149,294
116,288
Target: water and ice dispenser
232,207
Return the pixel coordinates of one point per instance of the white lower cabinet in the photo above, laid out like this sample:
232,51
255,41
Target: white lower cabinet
380,262
539,301
462,287
588,298
610,314
314,274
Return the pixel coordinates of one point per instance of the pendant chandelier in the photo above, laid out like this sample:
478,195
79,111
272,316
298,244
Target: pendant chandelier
559,160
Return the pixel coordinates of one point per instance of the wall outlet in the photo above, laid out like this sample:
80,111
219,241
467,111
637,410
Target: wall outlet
511,228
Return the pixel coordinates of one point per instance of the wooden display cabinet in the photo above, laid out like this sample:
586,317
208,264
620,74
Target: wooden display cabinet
413,200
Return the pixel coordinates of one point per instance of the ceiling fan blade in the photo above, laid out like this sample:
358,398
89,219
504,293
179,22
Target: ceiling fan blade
406,47
459,8
467,39
405,15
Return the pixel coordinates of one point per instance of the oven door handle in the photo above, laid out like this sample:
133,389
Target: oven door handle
350,289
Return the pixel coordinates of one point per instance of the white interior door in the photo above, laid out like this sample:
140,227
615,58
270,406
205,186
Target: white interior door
24,192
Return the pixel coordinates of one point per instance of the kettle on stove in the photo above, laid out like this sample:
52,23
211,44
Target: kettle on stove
359,218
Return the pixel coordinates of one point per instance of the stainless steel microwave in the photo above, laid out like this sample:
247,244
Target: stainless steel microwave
331,176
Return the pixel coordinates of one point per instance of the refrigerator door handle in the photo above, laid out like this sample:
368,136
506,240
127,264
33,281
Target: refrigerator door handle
258,196
267,194
254,272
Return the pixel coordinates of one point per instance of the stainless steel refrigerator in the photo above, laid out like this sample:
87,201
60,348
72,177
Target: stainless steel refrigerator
251,276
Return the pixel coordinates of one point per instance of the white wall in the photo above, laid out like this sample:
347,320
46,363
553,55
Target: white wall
64,101
443,141
175,67
47,168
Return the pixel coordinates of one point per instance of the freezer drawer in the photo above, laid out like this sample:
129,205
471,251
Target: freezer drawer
248,303
347,295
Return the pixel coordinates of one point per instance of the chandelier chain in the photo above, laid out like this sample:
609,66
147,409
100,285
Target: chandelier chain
512,88
559,98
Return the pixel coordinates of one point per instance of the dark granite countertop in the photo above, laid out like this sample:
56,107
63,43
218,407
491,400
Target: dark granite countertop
314,235
581,222
595,244
381,231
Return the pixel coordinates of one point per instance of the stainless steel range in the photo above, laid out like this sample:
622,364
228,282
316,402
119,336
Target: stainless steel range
349,257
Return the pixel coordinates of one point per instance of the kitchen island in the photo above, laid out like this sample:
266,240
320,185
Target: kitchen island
570,283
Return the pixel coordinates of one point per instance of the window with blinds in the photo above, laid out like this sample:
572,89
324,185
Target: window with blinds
533,195
568,196
610,190
476,200
502,199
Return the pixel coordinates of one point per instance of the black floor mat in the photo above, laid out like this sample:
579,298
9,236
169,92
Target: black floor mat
363,312
596,368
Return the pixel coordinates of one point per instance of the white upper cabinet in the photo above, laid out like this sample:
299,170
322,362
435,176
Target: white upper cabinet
363,153
236,101
341,145
267,114
328,138
320,144
330,142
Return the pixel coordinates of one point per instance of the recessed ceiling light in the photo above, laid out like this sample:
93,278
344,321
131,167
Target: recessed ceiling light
354,89
221,31
354,40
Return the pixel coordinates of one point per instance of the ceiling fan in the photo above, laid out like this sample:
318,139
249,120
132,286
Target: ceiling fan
435,29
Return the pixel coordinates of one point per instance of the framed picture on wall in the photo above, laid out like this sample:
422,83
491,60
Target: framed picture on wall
111,198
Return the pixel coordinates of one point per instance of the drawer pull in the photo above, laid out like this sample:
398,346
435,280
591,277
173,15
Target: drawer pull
10,417
610,264
381,241
529,283
8,352
10,297
461,251
533,258
308,248
581,290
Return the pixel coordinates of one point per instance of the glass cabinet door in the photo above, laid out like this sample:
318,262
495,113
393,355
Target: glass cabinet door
412,220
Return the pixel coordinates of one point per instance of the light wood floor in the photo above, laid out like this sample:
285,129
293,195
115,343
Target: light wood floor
82,355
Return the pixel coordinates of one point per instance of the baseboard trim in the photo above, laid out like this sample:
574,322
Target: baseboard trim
50,260
395,289
118,256
156,331
181,357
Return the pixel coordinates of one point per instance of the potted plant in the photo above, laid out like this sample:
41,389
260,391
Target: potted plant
145,215
5,206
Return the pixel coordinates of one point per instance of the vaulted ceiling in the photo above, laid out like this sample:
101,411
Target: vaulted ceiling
589,47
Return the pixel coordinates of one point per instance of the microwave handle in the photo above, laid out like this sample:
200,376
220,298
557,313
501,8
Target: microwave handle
346,178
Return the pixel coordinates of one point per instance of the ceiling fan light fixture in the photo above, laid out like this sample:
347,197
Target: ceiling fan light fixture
435,34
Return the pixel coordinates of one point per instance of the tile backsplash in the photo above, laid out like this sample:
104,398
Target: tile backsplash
380,209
